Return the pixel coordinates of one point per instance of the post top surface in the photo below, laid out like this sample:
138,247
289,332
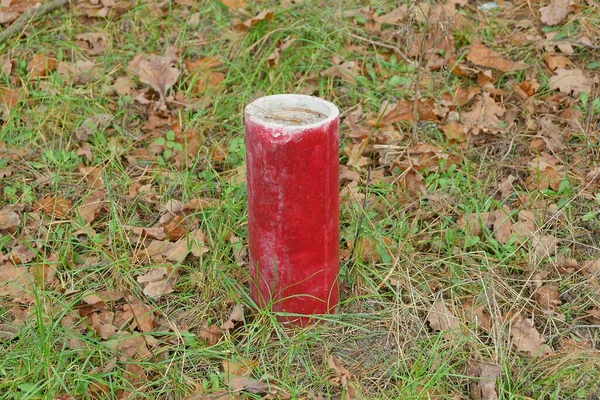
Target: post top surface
290,112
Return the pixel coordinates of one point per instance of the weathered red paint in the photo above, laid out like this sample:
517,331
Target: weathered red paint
293,207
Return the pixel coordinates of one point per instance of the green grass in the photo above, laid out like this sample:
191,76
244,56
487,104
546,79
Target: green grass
380,334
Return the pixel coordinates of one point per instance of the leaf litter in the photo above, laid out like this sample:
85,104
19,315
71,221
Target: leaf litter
529,125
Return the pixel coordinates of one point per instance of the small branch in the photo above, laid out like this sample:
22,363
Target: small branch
30,15
395,49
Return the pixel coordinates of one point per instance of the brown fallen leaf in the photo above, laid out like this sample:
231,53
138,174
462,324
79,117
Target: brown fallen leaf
570,82
526,338
9,219
6,64
239,368
343,378
555,61
143,315
93,43
234,5
247,384
92,125
54,206
484,387
545,172
15,282
555,12
237,315
205,73
525,226
123,85
8,99
482,56
543,246
158,281
159,73
242,26
506,186
41,65
80,72
157,233
547,297
502,224
394,17
440,317
477,315
211,333
22,254
129,346
484,116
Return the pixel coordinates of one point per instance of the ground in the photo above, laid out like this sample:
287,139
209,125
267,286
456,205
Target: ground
470,190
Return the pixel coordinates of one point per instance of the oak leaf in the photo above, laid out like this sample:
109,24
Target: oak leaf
547,297
484,116
9,219
555,12
93,43
526,338
158,281
482,56
441,318
484,388
570,81
159,73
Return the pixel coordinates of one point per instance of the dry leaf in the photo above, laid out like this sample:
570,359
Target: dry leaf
205,74
4,172
478,316
571,82
440,317
157,233
22,254
394,17
484,388
9,219
240,26
15,283
526,338
547,297
484,116
343,378
41,65
6,64
555,61
506,186
79,73
211,333
502,224
123,86
543,246
159,73
8,98
158,281
92,43
239,368
234,5
481,56
54,206
526,225
544,173
91,125
129,346
555,12
237,315
143,315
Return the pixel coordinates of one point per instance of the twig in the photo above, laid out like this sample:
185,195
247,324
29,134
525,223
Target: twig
395,49
30,15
